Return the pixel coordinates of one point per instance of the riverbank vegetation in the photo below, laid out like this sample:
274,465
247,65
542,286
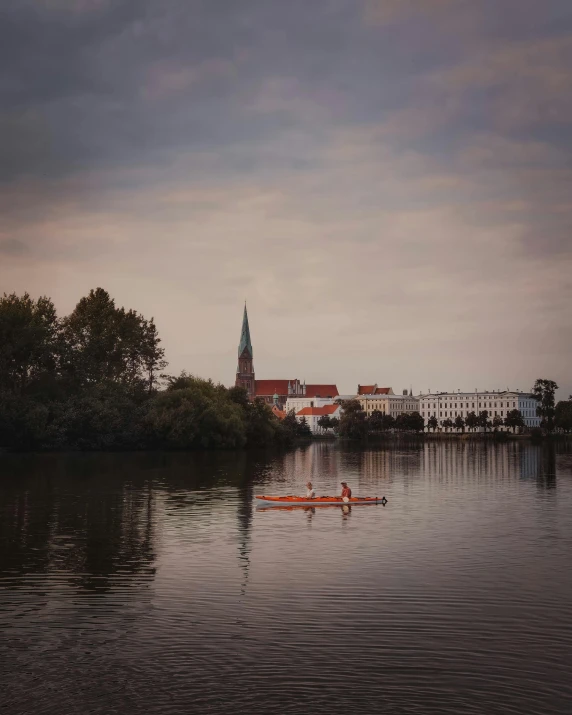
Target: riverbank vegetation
94,380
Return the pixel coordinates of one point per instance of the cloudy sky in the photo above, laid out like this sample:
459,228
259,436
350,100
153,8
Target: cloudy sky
388,183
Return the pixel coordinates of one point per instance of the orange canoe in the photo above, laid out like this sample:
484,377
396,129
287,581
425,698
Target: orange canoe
263,500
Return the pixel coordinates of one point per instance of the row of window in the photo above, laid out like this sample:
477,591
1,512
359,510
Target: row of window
525,413
481,405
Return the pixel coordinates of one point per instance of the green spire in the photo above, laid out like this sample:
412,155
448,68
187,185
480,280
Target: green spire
245,343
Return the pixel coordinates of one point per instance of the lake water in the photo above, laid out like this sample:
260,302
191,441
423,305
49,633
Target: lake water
150,583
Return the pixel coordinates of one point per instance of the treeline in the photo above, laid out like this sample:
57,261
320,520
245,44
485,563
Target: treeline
354,422
94,380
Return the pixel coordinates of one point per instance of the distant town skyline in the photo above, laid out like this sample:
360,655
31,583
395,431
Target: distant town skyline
387,183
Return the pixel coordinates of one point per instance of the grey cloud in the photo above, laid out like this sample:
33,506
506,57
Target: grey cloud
398,158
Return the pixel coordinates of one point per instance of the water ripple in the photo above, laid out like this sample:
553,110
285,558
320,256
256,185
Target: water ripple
155,586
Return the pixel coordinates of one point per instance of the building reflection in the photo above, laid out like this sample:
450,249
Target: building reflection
463,462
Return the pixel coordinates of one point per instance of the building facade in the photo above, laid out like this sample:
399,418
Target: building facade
389,403
313,414
313,396
448,405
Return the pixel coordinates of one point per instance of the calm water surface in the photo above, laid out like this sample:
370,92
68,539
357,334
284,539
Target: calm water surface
150,583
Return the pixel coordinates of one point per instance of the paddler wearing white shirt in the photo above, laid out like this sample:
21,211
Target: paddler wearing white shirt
310,493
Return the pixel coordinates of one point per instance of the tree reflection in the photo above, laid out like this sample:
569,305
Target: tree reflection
82,516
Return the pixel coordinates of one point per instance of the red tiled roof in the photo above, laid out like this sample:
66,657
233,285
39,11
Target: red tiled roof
366,389
281,414
270,387
317,411
321,391
373,390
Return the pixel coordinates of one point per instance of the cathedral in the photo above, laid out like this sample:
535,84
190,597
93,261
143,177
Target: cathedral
273,392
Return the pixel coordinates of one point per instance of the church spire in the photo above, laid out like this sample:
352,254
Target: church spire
245,343
245,370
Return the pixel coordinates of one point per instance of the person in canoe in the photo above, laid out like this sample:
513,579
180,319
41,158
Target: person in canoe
310,493
346,492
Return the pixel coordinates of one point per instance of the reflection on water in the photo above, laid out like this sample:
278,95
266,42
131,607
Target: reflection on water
149,583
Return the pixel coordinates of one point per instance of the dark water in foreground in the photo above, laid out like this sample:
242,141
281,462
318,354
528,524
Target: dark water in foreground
149,584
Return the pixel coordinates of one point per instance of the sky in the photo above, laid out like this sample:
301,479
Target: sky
387,183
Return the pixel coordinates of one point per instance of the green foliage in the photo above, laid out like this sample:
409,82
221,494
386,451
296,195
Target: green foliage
104,343
472,421
328,423
353,422
292,428
24,424
90,382
105,416
416,422
304,428
380,422
200,415
543,392
563,415
262,427
514,420
483,420
29,342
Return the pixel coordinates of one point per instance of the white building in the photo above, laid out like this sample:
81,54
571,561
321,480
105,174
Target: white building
388,403
312,396
313,414
448,405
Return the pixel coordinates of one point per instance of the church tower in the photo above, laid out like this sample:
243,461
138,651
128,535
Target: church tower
245,370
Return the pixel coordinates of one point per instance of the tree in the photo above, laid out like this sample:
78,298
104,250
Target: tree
353,421
380,422
262,427
448,424
497,422
483,420
29,341
327,423
416,422
432,423
107,343
563,415
375,421
543,392
402,422
152,354
459,423
200,416
290,423
304,428
471,421
25,424
514,420
236,394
